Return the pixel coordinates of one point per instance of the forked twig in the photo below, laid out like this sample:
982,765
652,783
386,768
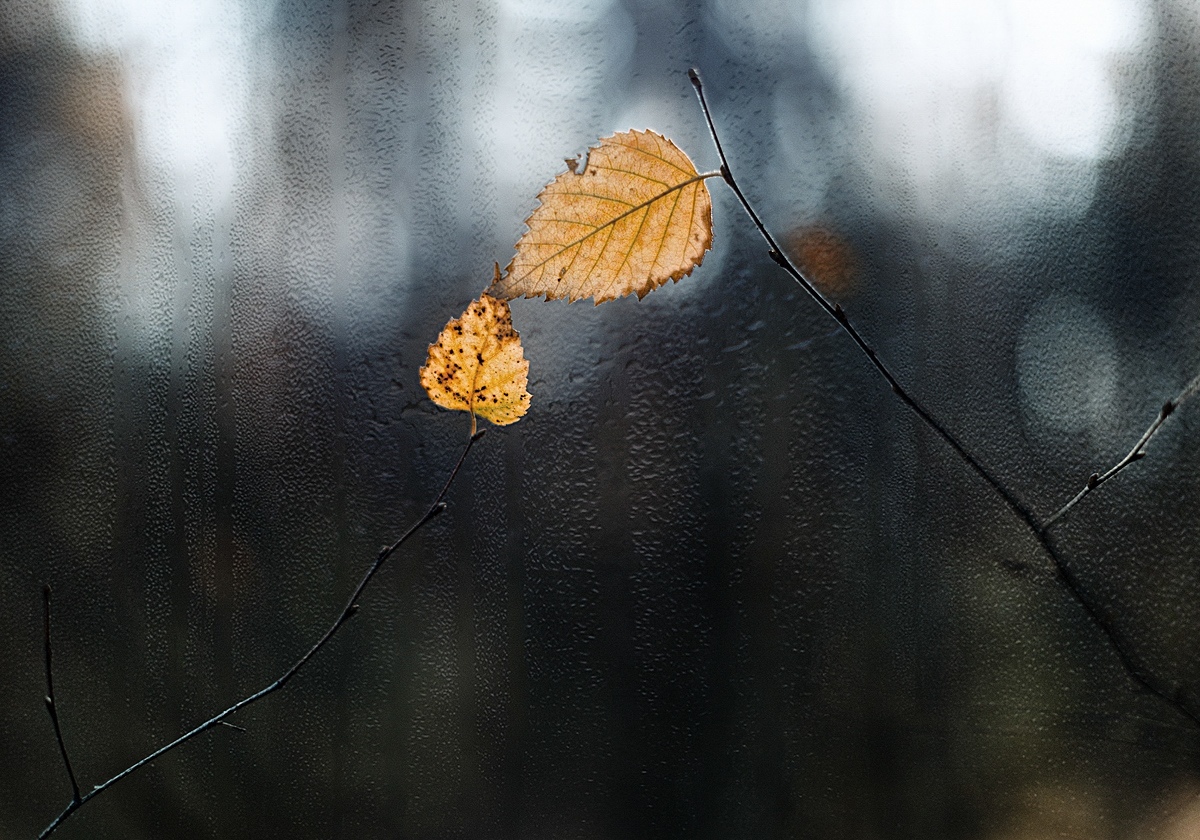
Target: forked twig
1167,691
1136,454
219,719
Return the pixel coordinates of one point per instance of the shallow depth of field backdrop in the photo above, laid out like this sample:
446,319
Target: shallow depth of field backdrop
718,583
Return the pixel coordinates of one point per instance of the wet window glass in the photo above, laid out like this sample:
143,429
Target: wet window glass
719,581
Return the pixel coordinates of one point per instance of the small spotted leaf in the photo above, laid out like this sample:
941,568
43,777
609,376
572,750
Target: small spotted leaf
477,365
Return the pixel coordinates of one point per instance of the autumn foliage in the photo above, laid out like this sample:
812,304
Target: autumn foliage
636,216
477,365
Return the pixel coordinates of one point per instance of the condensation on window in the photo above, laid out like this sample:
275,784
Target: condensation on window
720,581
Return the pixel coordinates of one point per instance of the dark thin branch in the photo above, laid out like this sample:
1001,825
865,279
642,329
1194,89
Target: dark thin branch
1171,693
219,719
836,312
51,704
1136,454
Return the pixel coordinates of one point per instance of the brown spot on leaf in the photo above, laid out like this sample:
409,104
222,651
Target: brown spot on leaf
485,335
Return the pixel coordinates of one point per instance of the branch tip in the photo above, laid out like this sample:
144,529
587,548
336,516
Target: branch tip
694,76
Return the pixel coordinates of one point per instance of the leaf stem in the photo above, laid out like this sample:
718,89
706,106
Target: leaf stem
346,614
1170,692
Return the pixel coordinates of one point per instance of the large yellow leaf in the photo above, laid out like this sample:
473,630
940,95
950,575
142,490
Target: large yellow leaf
637,216
477,365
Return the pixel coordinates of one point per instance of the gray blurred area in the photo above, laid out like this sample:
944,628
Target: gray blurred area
718,583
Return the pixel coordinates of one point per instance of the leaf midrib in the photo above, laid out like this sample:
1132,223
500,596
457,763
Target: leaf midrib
703,176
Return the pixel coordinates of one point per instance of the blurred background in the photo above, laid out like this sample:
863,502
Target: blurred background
718,583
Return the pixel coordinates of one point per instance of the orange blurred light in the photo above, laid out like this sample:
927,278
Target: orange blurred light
825,258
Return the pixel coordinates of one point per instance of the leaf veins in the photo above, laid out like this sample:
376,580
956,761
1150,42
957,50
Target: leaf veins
637,216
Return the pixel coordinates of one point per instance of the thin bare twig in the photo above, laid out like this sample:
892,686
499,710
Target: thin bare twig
219,719
1136,454
51,704
1170,692
836,312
